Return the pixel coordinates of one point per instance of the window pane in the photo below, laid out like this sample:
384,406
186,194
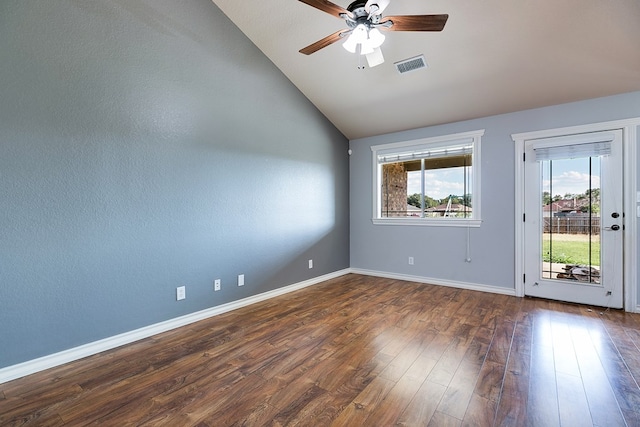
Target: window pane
446,192
394,190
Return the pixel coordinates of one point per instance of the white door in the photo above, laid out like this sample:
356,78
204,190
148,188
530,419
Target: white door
573,224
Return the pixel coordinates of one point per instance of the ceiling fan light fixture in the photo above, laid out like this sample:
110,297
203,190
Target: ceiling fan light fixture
359,33
358,36
376,38
368,39
350,44
366,48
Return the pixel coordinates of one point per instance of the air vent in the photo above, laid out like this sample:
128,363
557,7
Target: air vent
411,64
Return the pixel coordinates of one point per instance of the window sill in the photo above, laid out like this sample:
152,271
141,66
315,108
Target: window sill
428,222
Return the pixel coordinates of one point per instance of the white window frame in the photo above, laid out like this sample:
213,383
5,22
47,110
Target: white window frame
422,144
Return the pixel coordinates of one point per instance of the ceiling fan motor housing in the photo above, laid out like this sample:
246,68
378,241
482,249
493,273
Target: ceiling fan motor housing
358,4
359,15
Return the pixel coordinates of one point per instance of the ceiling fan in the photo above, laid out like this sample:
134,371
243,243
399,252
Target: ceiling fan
364,20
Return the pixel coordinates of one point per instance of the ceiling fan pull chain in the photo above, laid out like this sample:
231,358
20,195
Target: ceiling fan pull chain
360,64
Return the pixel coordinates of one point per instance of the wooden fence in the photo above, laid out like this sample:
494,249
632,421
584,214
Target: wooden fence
572,225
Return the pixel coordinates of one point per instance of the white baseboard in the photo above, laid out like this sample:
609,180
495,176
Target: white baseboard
36,365
440,282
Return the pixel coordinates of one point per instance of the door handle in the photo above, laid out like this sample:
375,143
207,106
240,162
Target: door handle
614,227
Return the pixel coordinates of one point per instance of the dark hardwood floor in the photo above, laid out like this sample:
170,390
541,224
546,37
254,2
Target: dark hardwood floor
357,351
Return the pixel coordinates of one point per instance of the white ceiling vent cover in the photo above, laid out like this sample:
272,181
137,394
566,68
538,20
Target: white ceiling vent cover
411,64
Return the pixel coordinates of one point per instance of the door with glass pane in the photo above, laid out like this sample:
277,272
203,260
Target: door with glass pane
573,218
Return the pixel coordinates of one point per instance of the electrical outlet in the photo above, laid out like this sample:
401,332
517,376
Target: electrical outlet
310,263
181,293
241,280
216,284
410,260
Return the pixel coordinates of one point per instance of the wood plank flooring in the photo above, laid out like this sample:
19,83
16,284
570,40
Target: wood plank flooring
357,351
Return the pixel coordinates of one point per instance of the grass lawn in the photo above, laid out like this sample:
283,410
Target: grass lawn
570,249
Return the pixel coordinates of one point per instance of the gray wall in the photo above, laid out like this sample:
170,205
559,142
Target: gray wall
439,252
146,145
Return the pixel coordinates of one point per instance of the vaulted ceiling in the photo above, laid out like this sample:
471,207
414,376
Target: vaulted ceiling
492,57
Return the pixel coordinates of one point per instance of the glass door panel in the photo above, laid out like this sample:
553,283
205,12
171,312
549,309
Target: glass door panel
570,203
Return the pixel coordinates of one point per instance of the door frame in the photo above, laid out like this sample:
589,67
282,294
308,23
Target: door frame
631,202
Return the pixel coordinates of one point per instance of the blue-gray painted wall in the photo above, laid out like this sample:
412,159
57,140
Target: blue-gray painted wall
440,252
146,145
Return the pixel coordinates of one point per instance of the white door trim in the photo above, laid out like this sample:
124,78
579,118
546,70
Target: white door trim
629,141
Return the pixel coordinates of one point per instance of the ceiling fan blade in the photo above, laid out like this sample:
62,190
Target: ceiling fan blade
415,22
327,6
375,58
379,6
314,47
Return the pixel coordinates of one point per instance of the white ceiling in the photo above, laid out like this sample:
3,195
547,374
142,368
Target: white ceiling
492,57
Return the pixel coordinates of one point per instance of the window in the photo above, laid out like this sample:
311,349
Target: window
433,181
